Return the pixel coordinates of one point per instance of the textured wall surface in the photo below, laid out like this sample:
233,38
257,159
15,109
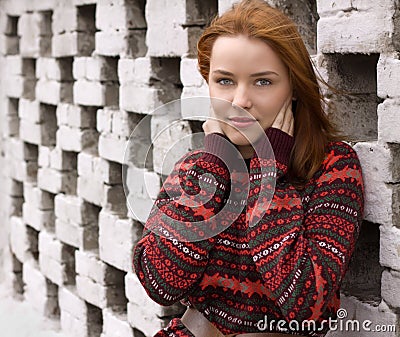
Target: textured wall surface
77,76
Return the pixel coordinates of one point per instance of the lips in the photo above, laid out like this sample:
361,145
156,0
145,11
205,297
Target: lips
242,122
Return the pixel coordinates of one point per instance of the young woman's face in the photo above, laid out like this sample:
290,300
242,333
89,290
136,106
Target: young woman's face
251,76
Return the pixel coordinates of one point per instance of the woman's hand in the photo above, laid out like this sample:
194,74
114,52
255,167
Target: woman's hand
284,120
212,126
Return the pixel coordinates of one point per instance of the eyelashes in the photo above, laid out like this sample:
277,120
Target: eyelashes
261,82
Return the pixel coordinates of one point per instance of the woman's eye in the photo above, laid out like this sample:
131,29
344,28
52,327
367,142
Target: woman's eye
225,81
263,82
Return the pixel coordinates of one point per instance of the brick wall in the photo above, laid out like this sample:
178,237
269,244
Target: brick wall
79,75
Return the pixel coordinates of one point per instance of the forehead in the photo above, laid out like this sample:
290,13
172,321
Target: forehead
243,53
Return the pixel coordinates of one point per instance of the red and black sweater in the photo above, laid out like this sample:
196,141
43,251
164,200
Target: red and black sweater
288,266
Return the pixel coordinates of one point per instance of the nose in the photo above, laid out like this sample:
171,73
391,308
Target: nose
241,98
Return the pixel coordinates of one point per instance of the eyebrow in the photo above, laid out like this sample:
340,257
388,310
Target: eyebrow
262,73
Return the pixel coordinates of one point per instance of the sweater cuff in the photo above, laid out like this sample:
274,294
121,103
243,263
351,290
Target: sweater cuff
281,143
218,147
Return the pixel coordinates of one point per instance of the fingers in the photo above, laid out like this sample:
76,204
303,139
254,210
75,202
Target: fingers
284,119
212,126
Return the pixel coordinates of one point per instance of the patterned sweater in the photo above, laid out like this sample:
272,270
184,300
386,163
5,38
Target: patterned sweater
282,260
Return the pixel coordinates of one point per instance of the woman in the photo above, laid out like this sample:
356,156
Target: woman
270,276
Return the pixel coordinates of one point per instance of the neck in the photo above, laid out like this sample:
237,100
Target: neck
246,151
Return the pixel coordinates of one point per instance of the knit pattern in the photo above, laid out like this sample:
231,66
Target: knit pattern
288,266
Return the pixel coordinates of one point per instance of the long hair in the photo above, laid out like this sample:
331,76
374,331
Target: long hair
312,129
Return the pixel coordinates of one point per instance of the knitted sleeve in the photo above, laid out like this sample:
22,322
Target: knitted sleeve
302,247
167,260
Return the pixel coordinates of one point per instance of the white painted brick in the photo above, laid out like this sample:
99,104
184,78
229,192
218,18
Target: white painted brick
11,206
192,107
44,156
158,16
139,208
76,140
123,43
389,253
30,110
77,236
138,296
378,161
38,198
190,75
10,126
79,67
98,295
70,208
145,70
91,190
362,313
72,325
126,70
390,284
116,239
85,164
149,324
9,45
99,169
115,324
104,120
89,265
139,99
107,171
84,2
54,270
49,245
389,121
15,86
101,69
54,69
331,7
35,46
112,148
380,202
65,19
388,76
53,92
71,303
37,218
42,134
14,65
143,183
16,148
114,199
35,34
12,188
22,171
95,93
20,239
119,15
55,181
122,123
225,5
38,292
372,34
62,160
169,144
72,44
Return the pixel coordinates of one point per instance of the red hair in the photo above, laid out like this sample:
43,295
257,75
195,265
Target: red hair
313,130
